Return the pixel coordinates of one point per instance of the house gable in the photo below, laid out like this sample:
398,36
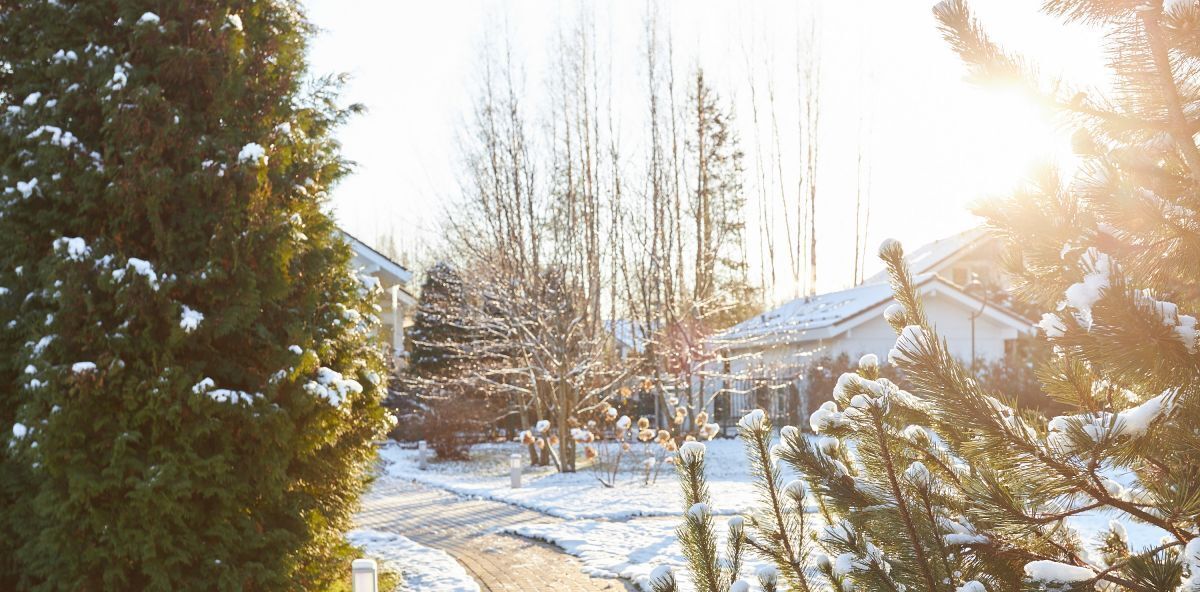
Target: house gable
953,258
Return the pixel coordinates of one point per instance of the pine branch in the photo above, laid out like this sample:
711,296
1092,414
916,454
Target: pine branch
1178,121
902,505
755,429
696,534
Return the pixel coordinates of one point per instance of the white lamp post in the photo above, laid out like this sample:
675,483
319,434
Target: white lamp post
365,575
421,454
514,466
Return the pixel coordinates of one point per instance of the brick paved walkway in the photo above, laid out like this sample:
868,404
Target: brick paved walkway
467,529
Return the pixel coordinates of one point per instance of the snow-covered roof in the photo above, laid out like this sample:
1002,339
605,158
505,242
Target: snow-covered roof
828,315
629,333
802,318
934,256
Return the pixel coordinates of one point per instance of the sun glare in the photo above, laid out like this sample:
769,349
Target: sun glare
1010,134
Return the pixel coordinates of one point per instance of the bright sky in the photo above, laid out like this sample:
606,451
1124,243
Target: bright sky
936,143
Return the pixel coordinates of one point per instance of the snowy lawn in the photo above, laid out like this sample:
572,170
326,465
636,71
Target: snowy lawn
628,530
629,549
421,568
632,549
579,495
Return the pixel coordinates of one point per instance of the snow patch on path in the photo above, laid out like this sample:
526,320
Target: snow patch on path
630,550
422,568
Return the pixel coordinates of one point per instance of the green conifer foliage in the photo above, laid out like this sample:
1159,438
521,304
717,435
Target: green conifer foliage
189,386
440,335
438,400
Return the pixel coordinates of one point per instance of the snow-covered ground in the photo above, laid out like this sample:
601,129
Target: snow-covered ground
630,549
628,530
578,495
422,569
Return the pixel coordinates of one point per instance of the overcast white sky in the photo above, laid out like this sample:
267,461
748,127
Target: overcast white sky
936,142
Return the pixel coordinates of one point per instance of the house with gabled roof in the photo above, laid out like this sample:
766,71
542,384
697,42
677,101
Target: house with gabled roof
958,279
396,301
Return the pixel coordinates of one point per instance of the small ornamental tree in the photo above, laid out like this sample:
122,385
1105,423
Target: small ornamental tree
189,387
952,486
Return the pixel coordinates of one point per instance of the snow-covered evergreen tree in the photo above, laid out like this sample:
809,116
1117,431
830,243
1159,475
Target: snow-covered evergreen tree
439,400
441,326
189,387
949,486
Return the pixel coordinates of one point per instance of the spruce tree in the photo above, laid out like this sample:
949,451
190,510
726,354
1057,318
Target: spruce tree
438,400
189,386
953,486
440,329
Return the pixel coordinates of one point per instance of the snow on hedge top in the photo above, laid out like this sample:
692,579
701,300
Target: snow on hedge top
58,137
75,247
332,386
233,396
25,188
120,77
190,319
252,153
149,18
141,267
82,367
223,395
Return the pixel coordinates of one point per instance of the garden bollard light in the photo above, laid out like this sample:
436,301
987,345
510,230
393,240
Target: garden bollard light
365,576
514,464
421,455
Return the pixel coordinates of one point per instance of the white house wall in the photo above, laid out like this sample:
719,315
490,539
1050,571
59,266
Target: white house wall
952,322
394,304
951,319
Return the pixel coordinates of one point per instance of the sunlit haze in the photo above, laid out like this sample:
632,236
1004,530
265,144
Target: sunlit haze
933,143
